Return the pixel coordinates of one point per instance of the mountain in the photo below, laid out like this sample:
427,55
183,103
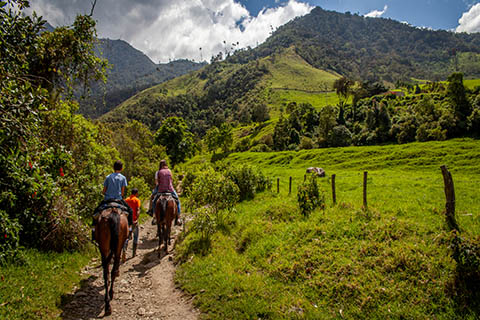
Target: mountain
232,92
372,48
298,64
131,71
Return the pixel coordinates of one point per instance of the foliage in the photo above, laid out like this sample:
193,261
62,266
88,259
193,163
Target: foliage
340,136
457,95
178,141
50,159
309,197
9,240
248,179
136,146
144,191
221,137
213,189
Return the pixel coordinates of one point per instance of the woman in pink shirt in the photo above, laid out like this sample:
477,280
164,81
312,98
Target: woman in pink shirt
163,183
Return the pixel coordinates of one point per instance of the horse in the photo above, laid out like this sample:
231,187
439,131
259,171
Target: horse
111,232
165,212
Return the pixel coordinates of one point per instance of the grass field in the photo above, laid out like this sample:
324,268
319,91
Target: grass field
391,261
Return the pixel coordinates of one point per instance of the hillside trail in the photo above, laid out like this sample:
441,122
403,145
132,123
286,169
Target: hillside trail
145,288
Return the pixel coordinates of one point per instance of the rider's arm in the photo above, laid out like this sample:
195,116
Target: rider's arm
104,190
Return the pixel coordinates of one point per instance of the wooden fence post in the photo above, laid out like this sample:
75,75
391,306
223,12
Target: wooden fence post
290,186
278,185
334,195
365,189
450,199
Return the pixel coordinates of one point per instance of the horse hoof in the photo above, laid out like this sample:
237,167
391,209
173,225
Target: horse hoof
108,311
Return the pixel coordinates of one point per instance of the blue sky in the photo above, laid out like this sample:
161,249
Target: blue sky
197,29
436,14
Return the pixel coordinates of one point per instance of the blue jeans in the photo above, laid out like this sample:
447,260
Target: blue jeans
175,196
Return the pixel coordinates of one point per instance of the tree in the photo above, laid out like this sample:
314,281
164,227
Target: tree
458,98
225,137
41,138
281,136
343,88
327,121
174,135
211,139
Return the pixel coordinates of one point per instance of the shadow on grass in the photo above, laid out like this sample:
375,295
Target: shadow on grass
86,303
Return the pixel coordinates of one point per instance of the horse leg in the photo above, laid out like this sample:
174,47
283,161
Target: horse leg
160,237
105,265
165,237
169,229
115,272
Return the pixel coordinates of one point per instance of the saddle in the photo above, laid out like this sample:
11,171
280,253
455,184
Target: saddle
167,196
111,204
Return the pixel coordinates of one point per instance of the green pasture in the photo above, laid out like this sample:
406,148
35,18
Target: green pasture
391,261
471,84
289,71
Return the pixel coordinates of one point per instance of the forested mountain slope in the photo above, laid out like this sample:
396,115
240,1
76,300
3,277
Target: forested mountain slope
372,48
224,91
131,71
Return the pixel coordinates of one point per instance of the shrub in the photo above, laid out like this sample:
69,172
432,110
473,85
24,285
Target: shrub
144,191
309,197
306,143
260,148
248,180
213,189
340,136
9,237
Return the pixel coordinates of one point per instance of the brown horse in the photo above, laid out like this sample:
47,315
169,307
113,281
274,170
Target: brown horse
111,232
165,212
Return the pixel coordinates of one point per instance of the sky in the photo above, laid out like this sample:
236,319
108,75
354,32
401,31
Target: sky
197,29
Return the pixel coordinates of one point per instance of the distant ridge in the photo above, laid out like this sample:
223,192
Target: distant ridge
131,71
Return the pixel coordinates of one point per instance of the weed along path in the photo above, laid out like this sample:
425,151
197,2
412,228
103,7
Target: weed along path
144,290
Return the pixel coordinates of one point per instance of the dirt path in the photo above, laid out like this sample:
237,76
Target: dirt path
144,290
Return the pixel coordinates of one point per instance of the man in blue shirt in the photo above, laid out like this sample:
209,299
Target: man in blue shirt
114,190
115,183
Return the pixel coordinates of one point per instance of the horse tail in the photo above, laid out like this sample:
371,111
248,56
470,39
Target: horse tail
164,208
114,231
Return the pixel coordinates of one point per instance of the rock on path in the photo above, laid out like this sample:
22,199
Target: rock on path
144,290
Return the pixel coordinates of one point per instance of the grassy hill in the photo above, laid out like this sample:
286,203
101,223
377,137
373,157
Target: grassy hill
392,261
207,95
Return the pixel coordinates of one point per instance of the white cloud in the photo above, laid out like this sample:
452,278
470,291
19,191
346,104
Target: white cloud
173,29
470,20
377,13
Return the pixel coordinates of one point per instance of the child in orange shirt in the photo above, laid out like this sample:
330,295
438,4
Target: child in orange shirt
135,204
